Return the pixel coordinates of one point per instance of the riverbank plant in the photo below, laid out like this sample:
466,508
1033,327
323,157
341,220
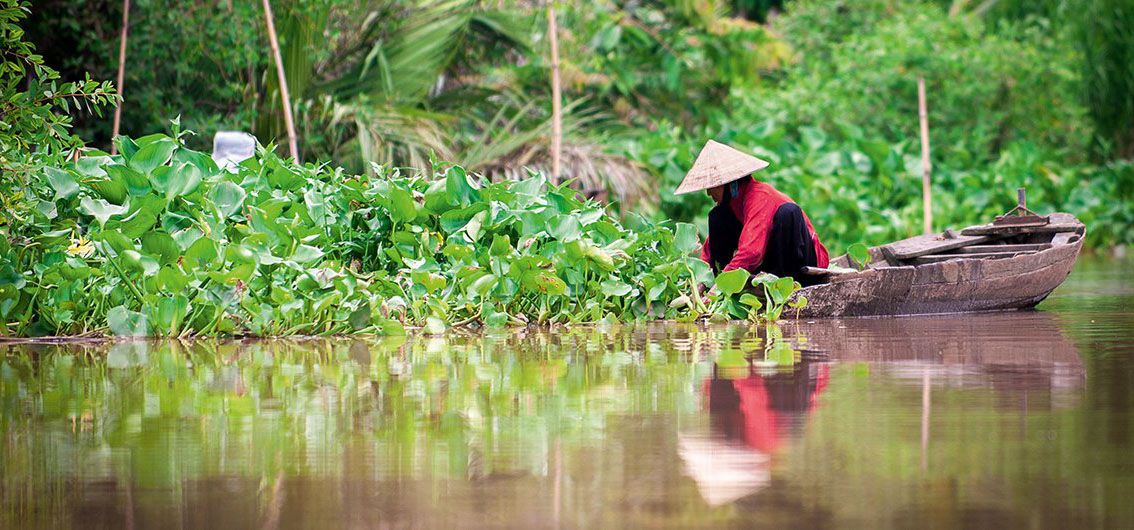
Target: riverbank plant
160,240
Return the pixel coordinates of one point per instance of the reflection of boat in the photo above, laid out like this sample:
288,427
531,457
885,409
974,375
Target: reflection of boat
749,418
1006,265
1018,349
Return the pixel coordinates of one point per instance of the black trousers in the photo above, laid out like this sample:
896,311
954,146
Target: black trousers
790,247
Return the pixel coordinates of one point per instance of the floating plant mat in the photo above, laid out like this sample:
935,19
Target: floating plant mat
159,240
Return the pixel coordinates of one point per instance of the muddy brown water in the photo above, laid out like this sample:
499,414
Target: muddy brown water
1007,420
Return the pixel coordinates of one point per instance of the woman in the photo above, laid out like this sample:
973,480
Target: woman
754,226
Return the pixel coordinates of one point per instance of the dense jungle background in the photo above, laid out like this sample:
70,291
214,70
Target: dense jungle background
387,93
1034,94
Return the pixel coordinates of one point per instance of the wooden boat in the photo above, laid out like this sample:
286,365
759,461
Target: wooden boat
1012,263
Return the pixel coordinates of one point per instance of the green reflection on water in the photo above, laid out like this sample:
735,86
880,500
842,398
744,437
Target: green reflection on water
159,414
994,420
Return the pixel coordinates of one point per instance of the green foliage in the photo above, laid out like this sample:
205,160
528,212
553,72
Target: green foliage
859,255
202,60
642,59
34,120
1106,32
840,127
159,240
736,297
987,86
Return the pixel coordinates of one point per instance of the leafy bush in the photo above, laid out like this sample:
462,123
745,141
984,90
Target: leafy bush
34,120
840,127
201,60
1106,33
159,240
987,86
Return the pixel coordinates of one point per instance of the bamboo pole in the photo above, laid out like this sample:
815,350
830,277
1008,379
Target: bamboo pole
284,96
926,197
121,74
556,104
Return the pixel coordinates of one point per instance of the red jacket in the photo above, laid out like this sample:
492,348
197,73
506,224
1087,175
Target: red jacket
755,205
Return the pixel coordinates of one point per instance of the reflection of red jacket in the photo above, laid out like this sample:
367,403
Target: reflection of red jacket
762,424
755,206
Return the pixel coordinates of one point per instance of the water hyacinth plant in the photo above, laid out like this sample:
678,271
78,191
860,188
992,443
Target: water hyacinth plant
159,240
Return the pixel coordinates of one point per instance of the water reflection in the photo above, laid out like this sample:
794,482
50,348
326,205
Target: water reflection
750,417
983,420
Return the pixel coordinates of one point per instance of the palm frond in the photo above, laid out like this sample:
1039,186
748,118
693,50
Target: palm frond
518,137
400,135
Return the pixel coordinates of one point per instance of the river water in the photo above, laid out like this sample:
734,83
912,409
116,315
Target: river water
1010,420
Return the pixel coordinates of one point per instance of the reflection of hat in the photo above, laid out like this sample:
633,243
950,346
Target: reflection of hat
716,165
724,471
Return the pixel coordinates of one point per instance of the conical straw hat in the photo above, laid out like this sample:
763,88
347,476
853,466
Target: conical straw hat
716,165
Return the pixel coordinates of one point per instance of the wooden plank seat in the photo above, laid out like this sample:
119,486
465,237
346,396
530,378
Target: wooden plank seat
932,244
980,249
936,258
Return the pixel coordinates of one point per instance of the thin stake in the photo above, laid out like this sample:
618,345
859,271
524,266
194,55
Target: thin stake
556,108
923,116
286,98
121,74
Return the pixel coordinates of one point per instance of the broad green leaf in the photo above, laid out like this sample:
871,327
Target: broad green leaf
460,191
136,225
495,319
112,190
402,206
432,281
126,323
167,316
475,226
360,317
732,282
100,209
62,182
859,255
201,254
127,146
752,301
151,156
227,197
565,227
172,280
781,289
483,285
615,288
454,220
285,179
161,246
501,245
685,238
135,182
176,181
116,240
239,254
316,206
544,282
305,254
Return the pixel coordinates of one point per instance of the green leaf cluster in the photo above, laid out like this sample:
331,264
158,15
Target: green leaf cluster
159,240
34,116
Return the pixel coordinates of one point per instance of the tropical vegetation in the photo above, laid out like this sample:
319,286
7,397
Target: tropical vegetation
161,240
424,192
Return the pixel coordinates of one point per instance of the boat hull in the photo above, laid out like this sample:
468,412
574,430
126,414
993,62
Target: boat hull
954,286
